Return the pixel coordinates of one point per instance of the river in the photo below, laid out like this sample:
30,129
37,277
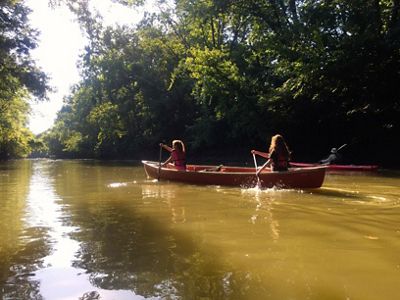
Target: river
82,229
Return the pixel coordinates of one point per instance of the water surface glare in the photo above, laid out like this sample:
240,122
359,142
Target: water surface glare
102,230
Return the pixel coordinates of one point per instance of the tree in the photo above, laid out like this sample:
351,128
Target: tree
226,73
19,78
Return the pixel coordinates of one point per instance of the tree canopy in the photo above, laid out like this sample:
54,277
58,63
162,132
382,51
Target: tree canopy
226,75
20,79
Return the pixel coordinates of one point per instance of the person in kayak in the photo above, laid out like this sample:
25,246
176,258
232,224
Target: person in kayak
334,157
178,154
279,155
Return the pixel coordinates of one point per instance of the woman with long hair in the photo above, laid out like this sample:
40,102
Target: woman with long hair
278,156
178,154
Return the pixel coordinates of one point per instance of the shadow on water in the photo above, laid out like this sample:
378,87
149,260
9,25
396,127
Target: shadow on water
125,246
145,258
388,173
353,197
335,193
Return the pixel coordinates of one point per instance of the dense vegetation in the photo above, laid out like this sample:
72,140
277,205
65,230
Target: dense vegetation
225,75
19,79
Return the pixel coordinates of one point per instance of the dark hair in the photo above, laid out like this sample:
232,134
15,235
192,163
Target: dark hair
278,144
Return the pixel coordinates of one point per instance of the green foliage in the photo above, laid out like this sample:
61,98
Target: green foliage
225,73
105,119
14,136
39,147
19,78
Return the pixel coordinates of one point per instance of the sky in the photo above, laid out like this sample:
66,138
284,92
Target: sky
60,43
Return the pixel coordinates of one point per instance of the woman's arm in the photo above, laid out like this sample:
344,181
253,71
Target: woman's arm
264,166
166,147
262,154
167,161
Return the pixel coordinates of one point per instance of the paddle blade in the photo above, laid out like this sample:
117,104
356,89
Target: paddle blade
259,185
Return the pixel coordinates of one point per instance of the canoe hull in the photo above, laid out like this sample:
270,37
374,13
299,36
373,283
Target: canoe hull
238,176
338,167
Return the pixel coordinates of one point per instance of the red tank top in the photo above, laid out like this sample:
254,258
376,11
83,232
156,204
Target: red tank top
179,159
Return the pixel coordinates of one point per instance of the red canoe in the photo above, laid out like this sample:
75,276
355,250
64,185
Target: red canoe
338,167
309,177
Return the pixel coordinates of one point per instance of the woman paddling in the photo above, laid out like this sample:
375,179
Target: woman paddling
178,154
279,155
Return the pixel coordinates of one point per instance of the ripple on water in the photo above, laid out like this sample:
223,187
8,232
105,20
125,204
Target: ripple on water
117,184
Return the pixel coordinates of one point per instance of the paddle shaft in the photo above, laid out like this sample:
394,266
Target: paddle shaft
159,163
255,164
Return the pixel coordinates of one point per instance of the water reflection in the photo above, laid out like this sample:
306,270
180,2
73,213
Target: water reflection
83,230
126,242
168,194
21,246
60,277
264,200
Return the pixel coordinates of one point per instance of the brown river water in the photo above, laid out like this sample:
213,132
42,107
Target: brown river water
102,230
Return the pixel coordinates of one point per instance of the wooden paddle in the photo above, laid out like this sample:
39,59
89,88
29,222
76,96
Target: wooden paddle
255,164
159,162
